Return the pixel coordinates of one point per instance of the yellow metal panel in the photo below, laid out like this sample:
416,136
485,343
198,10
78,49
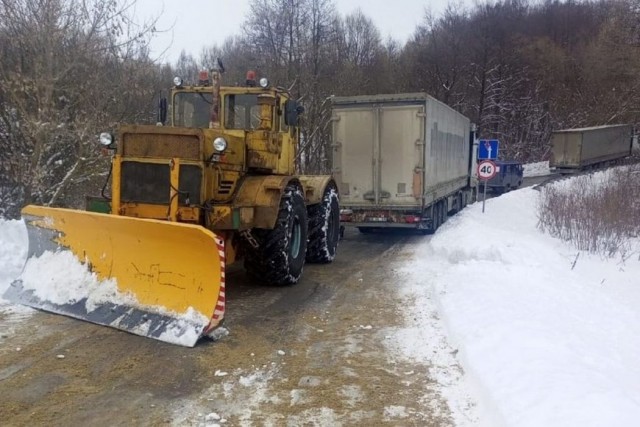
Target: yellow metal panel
170,265
219,217
162,145
174,165
314,186
160,141
115,184
160,212
262,193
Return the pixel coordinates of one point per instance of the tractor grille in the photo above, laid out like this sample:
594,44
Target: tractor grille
150,183
225,187
161,146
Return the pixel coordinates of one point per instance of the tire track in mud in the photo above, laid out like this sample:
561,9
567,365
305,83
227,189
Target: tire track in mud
333,367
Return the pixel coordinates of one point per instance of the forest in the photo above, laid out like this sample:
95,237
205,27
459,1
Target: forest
518,69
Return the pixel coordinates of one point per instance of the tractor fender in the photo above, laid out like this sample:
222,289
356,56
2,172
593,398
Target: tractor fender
315,186
263,194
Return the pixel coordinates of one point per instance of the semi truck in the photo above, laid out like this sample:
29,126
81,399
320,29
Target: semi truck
401,161
575,150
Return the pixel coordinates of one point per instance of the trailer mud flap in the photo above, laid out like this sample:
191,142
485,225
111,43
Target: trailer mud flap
159,279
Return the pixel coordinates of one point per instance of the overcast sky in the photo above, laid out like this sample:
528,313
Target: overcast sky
200,23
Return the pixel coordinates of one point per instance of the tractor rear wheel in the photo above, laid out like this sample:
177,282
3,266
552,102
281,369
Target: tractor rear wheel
279,257
324,228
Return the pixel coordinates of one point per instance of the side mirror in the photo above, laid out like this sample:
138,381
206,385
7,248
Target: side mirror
162,111
291,112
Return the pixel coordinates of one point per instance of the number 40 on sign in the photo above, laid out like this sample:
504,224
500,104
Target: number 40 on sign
487,170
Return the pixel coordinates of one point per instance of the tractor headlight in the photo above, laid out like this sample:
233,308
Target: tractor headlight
106,139
219,144
264,83
177,81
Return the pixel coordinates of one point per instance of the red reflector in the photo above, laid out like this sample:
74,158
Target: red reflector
411,218
203,78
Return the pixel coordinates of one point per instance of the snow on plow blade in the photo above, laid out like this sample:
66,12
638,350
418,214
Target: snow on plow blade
159,279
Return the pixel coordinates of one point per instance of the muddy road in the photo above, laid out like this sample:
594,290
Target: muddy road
310,354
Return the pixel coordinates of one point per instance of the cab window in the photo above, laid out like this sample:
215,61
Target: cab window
192,109
241,112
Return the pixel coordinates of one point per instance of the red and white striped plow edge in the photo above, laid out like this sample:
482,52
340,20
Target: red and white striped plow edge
218,313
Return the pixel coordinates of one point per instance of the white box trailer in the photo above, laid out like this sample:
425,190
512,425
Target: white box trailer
402,160
574,150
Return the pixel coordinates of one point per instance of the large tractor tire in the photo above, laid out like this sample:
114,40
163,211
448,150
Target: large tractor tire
324,228
279,257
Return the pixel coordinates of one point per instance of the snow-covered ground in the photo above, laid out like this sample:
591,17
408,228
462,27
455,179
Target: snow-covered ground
546,335
544,342
536,169
13,254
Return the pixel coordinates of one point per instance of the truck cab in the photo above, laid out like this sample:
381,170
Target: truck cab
509,176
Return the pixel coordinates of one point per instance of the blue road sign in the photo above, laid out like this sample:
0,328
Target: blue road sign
488,149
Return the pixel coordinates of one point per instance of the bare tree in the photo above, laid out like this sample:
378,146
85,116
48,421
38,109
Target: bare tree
290,41
71,69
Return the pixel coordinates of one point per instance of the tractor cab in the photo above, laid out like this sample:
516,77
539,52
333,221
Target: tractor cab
231,108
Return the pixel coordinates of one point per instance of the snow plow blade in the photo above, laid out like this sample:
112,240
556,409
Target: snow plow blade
159,279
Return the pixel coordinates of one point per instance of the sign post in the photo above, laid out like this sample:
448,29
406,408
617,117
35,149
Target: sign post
487,169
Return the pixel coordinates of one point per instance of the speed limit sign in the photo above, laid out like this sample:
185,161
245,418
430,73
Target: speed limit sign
487,170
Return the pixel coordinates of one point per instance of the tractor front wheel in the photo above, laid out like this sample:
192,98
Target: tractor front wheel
279,257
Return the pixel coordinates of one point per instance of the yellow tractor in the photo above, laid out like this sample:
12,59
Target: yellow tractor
210,184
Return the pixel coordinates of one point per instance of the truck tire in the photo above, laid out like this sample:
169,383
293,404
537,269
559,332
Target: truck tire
279,257
437,217
459,202
324,228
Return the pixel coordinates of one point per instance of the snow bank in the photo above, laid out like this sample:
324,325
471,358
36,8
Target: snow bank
536,169
544,343
13,251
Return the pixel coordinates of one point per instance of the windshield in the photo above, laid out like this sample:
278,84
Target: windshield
192,110
241,112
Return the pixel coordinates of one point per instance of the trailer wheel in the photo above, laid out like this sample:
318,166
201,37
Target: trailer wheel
280,255
459,202
436,217
444,211
324,228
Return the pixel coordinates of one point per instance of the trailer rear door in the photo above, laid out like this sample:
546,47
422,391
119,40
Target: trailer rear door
401,157
379,154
